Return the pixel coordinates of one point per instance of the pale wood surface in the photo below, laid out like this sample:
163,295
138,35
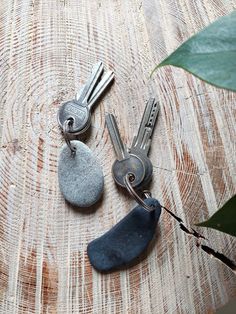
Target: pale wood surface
47,49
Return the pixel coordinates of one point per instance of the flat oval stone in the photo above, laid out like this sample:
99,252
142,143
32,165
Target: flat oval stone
127,240
80,176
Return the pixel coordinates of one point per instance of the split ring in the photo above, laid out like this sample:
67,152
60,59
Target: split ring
67,126
137,198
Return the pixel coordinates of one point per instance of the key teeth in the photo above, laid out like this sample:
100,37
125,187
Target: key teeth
142,140
151,99
153,114
157,103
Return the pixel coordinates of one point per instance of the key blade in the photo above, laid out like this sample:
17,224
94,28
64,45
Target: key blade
118,145
142,140
79,93
100,88
97,71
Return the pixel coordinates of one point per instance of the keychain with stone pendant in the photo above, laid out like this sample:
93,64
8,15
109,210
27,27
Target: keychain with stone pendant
126,241
80,174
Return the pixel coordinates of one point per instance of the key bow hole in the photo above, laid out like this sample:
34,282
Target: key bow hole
131,177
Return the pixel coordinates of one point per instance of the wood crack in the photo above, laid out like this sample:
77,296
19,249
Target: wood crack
219,256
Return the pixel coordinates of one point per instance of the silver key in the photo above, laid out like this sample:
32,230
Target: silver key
142,141
88,88
101,87
125,162
119,147
78,110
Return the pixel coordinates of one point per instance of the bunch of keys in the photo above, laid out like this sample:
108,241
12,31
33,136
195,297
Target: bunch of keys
132,169
80,175
78,110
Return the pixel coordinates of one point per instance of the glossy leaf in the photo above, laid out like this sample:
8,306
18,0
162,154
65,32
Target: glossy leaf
210,54
224,219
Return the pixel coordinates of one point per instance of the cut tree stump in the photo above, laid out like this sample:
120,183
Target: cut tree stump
47,51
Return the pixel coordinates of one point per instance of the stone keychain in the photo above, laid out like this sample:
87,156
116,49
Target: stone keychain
80,174
127,240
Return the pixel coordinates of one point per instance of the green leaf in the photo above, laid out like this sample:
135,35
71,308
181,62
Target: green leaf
210,54
224,219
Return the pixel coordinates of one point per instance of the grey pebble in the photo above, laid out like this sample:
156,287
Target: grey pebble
80,177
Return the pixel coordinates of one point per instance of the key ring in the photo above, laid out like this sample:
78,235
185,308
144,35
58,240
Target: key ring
67,126
132,192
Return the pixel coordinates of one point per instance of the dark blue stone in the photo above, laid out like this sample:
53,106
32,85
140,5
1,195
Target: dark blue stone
126,241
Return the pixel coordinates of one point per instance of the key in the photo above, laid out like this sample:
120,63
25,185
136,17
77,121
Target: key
92,81
142,141
119,147
125,162
78,110
101,87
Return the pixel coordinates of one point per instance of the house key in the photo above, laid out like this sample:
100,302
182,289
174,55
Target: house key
125,162
80,174
142,141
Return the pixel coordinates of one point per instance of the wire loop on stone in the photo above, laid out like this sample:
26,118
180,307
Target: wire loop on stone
67,128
